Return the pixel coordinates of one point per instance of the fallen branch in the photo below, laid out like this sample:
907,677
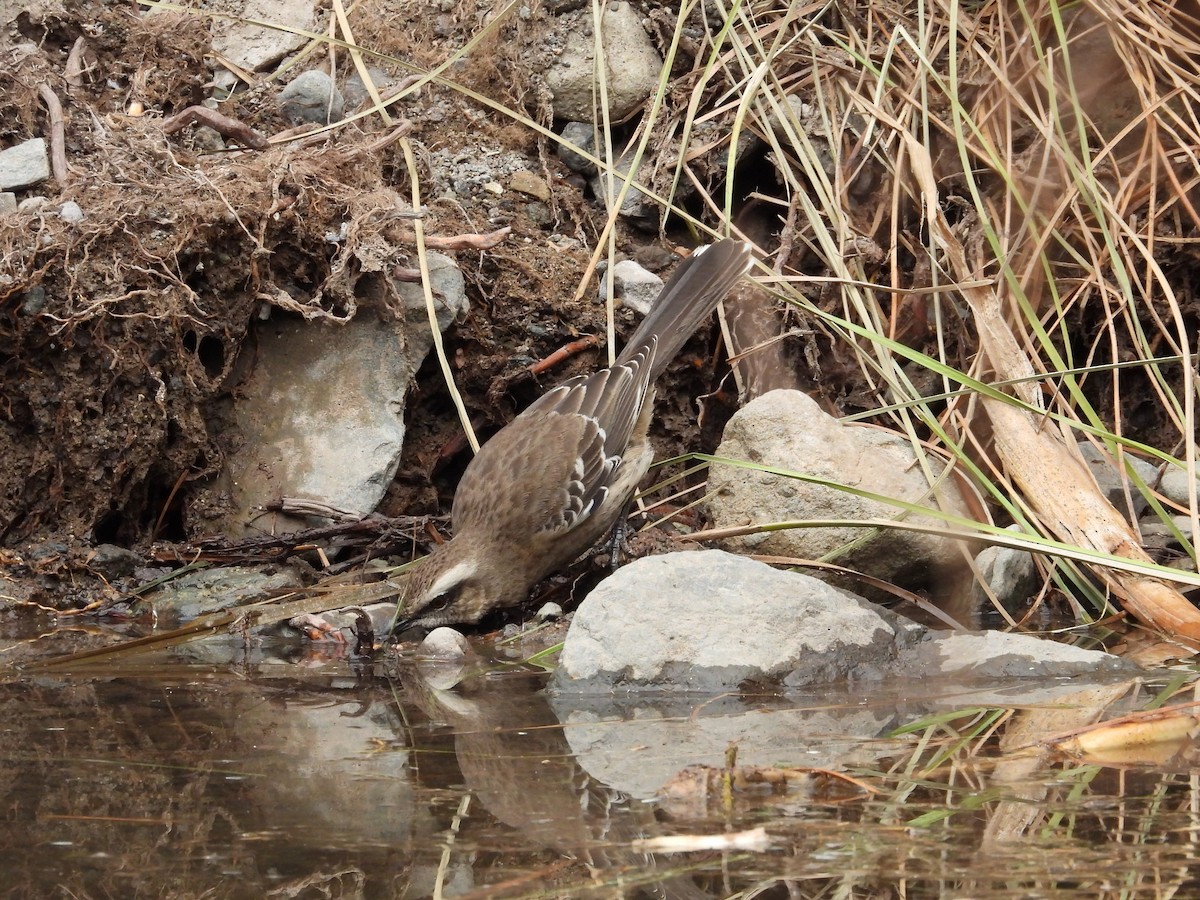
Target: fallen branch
58,134
587,342
465,241
226,126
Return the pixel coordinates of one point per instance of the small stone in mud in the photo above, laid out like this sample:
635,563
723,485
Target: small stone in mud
312,97
525,182
444,643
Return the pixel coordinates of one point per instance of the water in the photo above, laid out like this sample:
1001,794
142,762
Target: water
196,774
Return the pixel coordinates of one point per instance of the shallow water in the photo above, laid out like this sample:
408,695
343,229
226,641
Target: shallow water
175,776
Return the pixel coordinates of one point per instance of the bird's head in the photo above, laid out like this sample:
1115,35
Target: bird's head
453,585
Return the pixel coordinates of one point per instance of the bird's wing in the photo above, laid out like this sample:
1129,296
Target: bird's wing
552,467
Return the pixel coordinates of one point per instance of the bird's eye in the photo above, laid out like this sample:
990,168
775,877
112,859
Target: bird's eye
443,600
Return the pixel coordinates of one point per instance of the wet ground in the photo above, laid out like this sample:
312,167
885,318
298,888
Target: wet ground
221,772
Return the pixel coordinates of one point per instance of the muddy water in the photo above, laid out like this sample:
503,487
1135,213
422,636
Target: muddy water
177,777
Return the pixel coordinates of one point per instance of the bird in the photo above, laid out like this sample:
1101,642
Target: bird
554,481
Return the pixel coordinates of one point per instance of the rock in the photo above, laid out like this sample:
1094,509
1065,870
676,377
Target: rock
71,212
1174,485
632,63
713,621
994,655
8,203
321,417
539,213
1011,575
355,90
113,562
634,286
786,429
24,164
636,742
583,136
525,182
253,47
549,612
1112,480
33,204
312,97
212,590
444,644
638,207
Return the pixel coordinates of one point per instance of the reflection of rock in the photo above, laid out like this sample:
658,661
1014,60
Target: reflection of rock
240,786
786,429
514,757
637,746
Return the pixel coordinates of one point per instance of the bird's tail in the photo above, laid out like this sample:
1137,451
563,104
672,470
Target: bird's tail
690,294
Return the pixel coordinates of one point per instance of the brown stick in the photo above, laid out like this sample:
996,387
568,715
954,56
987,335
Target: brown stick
58,134
74,69
467,241
587,342
230,128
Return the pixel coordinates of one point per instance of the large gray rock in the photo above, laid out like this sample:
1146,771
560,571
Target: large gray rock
633,64
253,47
321,417
786,429
710,620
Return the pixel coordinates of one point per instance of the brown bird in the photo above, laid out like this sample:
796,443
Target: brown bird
557,478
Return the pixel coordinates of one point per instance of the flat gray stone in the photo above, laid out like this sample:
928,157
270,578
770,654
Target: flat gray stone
321,417
24,165
212,590
253,47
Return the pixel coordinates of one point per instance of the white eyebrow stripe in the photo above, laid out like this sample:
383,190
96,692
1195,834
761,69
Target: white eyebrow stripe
456,574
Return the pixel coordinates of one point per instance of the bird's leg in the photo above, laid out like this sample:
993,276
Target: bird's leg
619,542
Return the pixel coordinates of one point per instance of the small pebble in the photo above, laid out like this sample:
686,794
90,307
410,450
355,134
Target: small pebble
549,612
71,212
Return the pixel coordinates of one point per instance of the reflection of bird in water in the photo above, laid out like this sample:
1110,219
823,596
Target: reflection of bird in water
514,757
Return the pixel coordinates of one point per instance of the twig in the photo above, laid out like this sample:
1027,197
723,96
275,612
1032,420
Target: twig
230,128
587,342
466,241
75,67
58,135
